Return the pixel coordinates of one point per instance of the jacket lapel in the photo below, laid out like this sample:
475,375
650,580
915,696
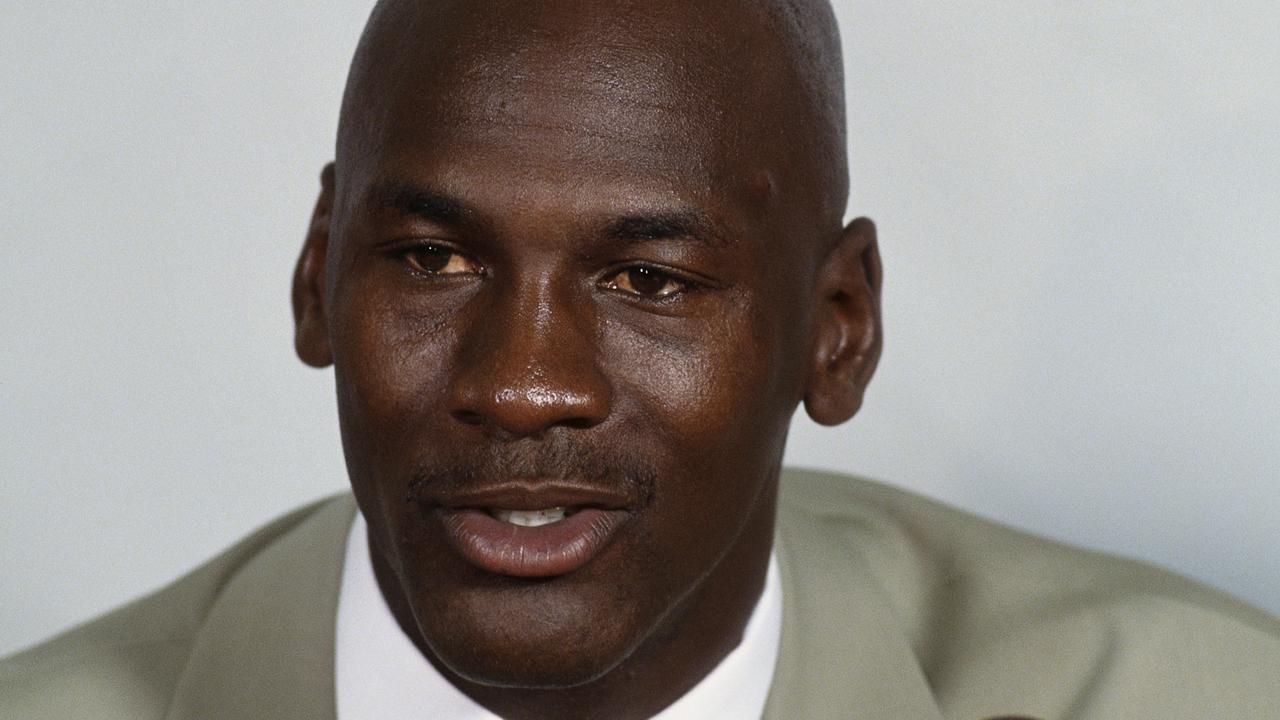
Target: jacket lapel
265,649
843,653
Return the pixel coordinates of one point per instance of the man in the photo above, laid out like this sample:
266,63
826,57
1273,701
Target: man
575,265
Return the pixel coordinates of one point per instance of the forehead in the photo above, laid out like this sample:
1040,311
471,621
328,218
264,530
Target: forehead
546,98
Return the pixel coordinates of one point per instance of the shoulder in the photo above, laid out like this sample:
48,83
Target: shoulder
999,616
127,663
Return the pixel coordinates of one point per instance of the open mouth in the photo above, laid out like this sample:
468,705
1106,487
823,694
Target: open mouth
531,527
531,543
531,518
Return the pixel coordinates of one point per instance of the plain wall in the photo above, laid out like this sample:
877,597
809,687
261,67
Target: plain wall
1078,206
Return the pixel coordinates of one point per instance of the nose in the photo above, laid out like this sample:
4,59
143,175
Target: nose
528,362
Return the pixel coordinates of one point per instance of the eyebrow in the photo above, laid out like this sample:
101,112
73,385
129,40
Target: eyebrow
663,225
419,202
438,207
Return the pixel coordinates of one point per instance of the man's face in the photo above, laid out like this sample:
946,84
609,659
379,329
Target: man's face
559,280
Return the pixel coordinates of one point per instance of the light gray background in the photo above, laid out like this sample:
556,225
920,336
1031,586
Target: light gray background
1078,206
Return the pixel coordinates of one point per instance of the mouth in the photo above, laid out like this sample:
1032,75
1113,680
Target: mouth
532,530
531,518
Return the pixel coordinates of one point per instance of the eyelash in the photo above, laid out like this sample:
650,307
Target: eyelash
685,284
404,255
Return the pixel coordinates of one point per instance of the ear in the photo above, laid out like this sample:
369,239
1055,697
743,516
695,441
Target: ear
310,319
847,330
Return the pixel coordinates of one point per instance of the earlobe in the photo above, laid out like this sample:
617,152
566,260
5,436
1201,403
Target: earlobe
311,324
848,335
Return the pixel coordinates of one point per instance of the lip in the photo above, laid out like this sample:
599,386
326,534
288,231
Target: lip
558,548
533,495
531,552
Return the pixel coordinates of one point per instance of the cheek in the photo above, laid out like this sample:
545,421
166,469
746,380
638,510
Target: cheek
389,372
716,397
388,353
708,383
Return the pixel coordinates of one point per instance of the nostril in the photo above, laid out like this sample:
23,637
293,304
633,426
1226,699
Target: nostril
468,417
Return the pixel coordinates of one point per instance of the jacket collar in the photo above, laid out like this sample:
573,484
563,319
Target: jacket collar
265,648
844,653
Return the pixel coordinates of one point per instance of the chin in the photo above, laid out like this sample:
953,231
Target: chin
549,671
536,640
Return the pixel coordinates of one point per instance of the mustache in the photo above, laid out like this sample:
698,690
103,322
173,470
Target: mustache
603,467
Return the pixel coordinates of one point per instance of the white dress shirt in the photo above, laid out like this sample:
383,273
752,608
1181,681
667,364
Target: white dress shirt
380,675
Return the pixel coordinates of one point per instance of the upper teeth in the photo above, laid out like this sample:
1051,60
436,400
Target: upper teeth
531,518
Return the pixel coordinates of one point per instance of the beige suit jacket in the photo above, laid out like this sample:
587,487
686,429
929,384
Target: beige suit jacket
895,608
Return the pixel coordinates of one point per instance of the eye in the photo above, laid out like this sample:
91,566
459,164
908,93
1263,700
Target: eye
439,260
646,282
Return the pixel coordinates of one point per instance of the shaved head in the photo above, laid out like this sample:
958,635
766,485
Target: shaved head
576,264
762,78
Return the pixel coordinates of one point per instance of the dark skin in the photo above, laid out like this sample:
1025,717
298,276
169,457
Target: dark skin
561,243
